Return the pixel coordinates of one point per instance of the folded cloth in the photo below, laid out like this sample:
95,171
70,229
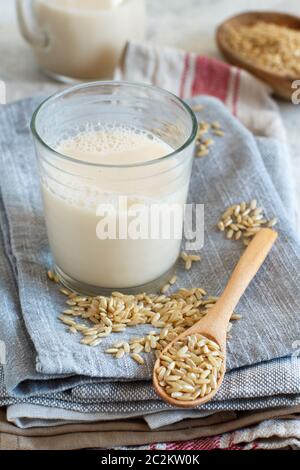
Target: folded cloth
136,432
240,384
167,418
45,416
233,172
90,402
269,434
187,74
30,381
242,390
55,407
24,271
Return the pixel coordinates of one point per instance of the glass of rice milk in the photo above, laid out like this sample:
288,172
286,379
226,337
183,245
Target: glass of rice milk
80,40
115,162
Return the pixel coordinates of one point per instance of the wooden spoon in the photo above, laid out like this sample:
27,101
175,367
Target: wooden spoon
215,323
279,81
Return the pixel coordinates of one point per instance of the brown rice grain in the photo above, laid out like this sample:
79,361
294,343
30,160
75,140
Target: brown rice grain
137,358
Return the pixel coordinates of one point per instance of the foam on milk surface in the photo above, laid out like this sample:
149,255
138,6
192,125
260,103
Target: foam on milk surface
106,145
114,145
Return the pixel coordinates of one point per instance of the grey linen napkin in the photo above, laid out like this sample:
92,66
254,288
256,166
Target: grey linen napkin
42,357
141,400
115,400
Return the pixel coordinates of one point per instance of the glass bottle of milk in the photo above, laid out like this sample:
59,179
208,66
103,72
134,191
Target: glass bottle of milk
75,40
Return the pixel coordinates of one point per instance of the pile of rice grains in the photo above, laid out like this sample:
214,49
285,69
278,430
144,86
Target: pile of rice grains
269,45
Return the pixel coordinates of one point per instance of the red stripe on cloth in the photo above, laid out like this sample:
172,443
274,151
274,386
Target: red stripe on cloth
236,90
211,78
184,74
255,445
209,443
152,446
206,443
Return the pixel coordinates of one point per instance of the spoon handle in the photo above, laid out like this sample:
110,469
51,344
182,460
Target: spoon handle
245,270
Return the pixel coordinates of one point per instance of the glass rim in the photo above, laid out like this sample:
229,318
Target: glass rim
75,88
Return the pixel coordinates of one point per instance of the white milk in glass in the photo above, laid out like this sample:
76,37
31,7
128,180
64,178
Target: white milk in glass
70,211
85,38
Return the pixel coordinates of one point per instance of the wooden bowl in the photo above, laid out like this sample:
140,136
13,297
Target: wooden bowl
279,81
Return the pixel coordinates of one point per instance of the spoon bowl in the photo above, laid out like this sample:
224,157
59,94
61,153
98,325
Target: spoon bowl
215,323
280,82
199,401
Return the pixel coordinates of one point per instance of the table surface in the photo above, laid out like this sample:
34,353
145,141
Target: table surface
188,24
